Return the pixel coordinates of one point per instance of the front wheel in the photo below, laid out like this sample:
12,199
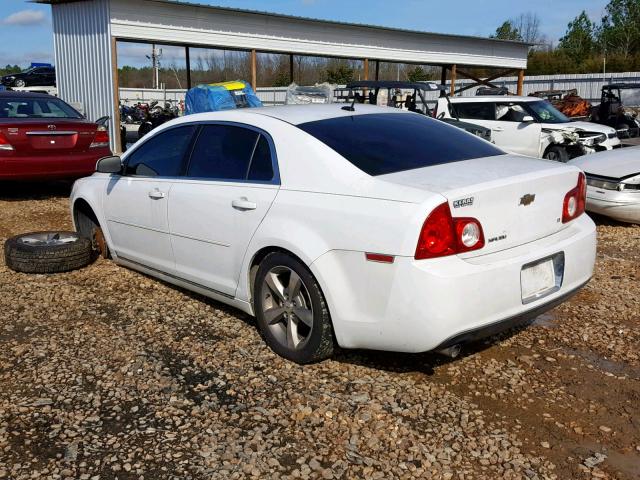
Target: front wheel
291,311
20,83
556,153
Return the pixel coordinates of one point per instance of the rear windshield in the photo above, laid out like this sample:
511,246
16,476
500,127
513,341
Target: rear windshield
12,107
382,143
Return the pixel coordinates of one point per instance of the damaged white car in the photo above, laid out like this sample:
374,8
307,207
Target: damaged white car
613,183
530,126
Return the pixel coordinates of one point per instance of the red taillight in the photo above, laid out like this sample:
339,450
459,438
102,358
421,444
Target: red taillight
5,146
443,235
574,200
101,138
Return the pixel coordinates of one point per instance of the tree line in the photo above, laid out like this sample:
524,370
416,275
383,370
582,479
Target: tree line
610,43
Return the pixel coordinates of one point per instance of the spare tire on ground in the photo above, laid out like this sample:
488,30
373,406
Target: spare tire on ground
47,252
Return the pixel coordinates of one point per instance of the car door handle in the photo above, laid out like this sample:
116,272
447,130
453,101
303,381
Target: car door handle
156,194
243,204
498,129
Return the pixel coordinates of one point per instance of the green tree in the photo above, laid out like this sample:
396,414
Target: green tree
339,75
9,69
507,31
417,74
620,29
579,41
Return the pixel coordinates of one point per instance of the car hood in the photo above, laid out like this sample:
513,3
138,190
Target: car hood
614,164
587,126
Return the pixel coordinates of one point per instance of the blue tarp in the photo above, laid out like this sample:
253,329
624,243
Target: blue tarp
223,96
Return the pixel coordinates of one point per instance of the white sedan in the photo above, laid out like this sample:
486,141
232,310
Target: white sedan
367,228
613,183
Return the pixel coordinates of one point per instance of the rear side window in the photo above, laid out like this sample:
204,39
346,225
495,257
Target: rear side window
229,152
261,168
384,143
477,111
162,155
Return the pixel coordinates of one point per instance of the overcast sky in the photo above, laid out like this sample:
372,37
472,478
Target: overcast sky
25,28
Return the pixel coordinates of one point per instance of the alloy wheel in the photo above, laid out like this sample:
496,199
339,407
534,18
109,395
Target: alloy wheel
287,308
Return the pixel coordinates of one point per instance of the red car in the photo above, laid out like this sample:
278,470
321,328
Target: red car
43,138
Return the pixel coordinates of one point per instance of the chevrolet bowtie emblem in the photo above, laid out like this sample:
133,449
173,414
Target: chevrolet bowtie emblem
527,199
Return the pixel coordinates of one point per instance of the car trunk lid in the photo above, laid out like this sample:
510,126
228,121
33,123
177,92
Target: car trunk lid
33,137
516,199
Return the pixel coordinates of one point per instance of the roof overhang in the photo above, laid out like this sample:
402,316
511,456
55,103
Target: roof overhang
184,23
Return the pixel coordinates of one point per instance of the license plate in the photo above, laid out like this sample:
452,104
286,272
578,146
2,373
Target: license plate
537,279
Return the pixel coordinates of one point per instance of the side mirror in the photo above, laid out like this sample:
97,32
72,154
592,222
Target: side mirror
109,165
528,118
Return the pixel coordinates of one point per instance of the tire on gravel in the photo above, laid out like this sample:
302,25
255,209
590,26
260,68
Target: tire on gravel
321,343
47,252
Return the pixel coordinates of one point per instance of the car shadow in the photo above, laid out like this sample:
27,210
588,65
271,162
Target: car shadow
602,220
21,191
423,363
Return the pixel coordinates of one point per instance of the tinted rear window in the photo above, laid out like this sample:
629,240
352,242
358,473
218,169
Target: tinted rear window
34,107
382,143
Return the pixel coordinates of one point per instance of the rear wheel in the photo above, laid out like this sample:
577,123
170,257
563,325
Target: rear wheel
557,154
291,311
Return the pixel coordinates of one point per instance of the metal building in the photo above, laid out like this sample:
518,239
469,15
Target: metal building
86,33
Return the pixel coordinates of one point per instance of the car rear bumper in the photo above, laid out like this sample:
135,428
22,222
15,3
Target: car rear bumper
49,167
416,306
622,206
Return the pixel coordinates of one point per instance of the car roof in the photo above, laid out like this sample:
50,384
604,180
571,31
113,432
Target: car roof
297,114
495,98
11,94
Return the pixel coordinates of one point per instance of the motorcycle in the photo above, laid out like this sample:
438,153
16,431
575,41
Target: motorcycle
157,115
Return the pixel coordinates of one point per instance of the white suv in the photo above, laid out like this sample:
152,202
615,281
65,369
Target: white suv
530,126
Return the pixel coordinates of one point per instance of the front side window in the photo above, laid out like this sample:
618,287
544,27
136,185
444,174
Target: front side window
162,155
229,152
475,111
383,143
510,112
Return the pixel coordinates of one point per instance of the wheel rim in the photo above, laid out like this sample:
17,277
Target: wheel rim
20,83
47,239
552,156
287,308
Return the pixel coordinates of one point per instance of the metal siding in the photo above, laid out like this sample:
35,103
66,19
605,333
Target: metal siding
82,43
587,84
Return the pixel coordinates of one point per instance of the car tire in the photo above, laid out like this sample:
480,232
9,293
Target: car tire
47,252
556,153
19,83
291,310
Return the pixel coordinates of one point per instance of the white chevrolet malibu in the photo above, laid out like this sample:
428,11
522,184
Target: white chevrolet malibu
370,228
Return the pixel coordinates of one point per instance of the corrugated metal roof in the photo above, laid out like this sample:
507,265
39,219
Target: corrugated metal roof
309,19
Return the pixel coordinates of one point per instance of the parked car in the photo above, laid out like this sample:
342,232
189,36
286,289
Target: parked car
530,126
567,101
619,108
411,96
613,183
42,137
366,228
34,76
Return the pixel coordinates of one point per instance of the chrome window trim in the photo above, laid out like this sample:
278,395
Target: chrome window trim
200,123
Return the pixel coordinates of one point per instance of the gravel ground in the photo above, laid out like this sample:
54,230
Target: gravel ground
106,373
